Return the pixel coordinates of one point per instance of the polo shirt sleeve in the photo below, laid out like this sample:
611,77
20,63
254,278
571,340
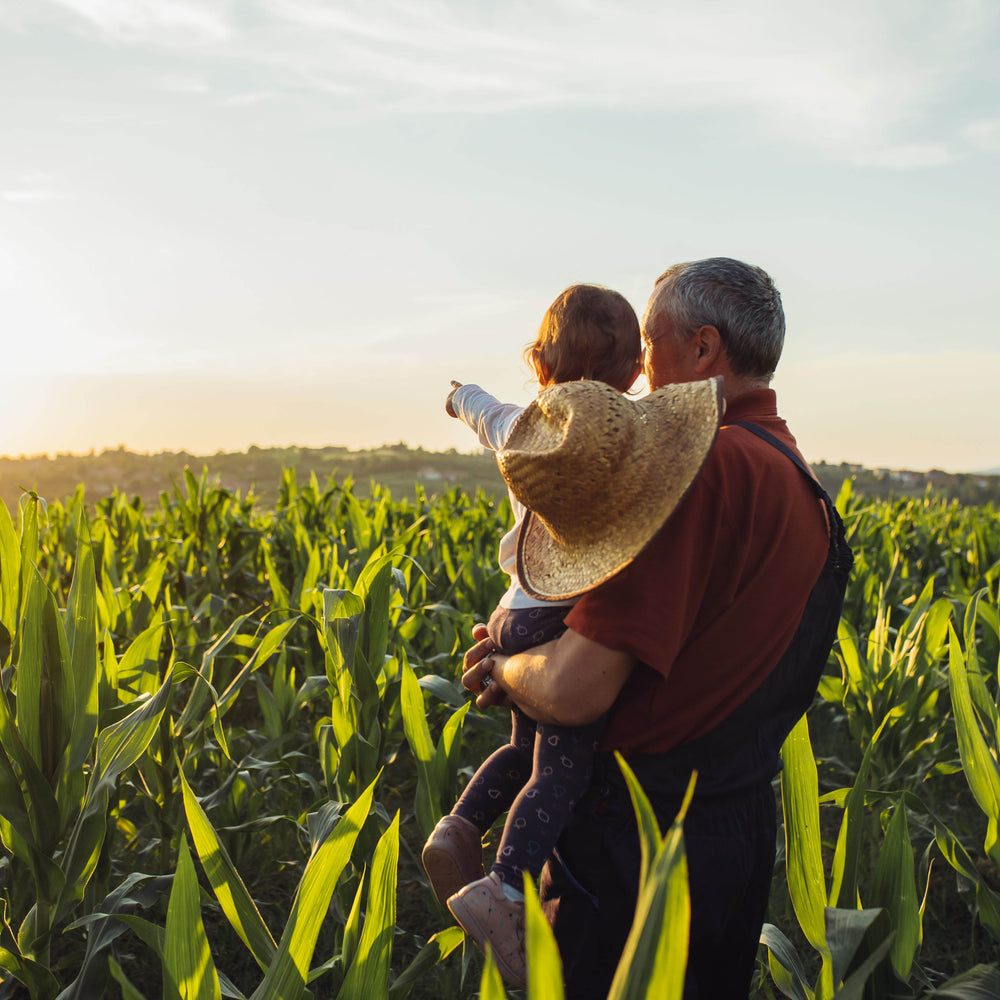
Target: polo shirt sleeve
655,604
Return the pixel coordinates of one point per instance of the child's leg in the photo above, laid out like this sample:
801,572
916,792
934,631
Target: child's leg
500,777
563,761
513,630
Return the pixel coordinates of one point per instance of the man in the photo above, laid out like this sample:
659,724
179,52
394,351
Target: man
703,651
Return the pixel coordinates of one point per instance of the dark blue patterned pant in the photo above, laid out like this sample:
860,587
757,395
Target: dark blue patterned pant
541,774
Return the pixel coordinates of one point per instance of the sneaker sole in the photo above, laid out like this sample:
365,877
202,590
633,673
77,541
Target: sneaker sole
446,877
475,930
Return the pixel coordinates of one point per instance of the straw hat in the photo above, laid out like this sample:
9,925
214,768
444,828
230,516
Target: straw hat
600,473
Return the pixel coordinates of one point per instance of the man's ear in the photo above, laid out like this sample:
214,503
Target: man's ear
708,349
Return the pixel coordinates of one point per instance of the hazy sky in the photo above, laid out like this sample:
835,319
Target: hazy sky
226,222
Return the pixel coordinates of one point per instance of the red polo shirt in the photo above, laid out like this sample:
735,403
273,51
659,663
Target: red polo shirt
709,606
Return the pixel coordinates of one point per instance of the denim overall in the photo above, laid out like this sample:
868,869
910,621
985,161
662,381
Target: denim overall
589,886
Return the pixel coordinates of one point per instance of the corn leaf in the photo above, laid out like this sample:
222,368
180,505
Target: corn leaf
654,959
803,856
979,765
491,982
236,902
188,970
368,975
785,965
10,572
844,880
129,992
427,802
895,889
286,978
81,637
44,684
545,979
438,948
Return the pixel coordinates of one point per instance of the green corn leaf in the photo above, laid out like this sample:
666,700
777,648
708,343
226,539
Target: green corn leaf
14,819
129,992
286,978
139,668
895,889
987,900
981,982
491,983
787,970
844,884
194,709
267,648
10,573
45,686
33,794
352,926
118,748
121,745
236,902
803,856
81,637
427,805
437,949
650,840
545,979
39,980
857,986
188,970
368,975
106,924
979,765
374,587
853,935
279,595
342,613
654,958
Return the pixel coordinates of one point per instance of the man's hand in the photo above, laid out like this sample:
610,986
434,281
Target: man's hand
479,664
570,681
450,409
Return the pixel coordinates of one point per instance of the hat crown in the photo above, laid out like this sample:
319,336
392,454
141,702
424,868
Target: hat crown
599,474
563,464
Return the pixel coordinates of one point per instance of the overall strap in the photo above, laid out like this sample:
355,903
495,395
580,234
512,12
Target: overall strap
743,749
837,542
784,449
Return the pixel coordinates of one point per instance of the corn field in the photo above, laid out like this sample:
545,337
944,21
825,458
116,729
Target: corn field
226,731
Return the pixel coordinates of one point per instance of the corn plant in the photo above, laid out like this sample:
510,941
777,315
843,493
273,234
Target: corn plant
58,763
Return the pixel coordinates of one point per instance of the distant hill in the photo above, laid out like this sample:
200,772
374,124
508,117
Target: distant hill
396,467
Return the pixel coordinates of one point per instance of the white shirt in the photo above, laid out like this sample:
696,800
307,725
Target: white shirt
492,421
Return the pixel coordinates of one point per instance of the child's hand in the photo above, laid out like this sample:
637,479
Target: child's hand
448,408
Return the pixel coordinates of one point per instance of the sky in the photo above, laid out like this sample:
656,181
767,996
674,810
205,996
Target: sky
278,222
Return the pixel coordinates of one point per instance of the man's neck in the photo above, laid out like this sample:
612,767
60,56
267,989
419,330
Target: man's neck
740,385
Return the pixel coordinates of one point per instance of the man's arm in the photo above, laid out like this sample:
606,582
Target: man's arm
570,681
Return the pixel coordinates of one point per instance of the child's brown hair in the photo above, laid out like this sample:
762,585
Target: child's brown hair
588,332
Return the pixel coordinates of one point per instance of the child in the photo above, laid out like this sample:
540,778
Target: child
592,333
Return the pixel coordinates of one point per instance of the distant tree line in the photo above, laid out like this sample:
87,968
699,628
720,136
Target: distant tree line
394,466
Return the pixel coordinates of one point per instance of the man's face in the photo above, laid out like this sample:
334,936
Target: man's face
667,355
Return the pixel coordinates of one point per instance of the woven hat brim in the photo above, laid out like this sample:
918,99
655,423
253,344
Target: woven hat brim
551,569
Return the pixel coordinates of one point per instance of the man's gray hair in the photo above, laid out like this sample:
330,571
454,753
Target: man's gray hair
738,299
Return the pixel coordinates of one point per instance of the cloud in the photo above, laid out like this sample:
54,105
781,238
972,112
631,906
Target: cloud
183,84
186,21
29,196
985,134
248,100
906,156
862,82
